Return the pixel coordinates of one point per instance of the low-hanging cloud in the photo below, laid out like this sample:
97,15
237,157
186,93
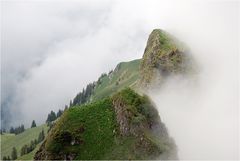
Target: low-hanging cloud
202,112
51,50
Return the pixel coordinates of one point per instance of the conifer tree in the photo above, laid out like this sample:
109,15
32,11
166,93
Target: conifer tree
11,130
33,124
59,113
14,153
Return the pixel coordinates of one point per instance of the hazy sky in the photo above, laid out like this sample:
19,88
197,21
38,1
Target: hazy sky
50,50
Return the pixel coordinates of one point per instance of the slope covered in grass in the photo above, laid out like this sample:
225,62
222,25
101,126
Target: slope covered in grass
117,127
8,141
124,75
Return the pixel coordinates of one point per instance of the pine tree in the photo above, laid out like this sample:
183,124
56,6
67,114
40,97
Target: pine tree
59,113
14,153
35,141
24,150
22,128
41,136
33,124
12,130
66,107
4,158
32,145
51,117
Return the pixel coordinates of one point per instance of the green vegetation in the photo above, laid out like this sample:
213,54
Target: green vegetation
30,155
94,131
14,153
87,130
125,74
8,141
163,55
33,124
16,130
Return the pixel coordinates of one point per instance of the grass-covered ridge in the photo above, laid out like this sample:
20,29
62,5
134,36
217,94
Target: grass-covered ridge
124,75
95,131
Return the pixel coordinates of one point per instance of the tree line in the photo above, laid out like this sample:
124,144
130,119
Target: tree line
17,130
83,96
52,116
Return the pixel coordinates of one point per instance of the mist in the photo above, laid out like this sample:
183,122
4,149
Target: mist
202,111
59,48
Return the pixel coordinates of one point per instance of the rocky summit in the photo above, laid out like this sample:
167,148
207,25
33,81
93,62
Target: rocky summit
163,56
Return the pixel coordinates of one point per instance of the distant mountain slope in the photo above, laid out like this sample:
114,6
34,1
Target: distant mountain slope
8,141
125,74
124,126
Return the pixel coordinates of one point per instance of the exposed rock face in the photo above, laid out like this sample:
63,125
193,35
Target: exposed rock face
122,116
125,113
163,56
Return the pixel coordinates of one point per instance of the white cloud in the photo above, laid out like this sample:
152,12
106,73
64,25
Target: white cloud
51,50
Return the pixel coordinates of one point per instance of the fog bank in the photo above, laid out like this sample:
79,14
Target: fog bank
51,50
202,112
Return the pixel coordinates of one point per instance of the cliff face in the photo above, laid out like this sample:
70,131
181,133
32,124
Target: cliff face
125,126
163,56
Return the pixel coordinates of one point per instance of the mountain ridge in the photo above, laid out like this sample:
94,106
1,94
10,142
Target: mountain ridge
116,110
105,129
126,107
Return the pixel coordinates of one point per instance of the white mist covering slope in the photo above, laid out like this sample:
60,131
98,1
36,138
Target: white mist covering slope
202,113
203,120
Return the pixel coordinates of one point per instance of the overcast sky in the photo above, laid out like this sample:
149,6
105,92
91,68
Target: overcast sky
50,50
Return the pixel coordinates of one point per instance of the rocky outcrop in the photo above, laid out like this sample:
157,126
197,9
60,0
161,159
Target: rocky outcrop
163,56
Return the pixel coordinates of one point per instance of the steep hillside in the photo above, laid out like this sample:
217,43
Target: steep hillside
8,141
125,74
123,126
163,56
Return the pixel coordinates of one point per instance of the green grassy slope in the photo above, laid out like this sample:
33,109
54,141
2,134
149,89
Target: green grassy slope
90,126
94,131
8,141
125,74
